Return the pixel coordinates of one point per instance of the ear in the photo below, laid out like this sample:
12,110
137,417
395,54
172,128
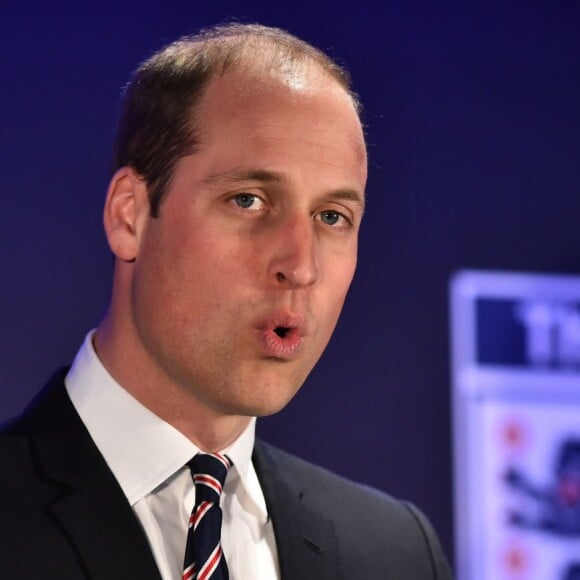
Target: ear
126,212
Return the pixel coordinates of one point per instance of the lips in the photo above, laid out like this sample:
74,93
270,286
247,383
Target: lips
281,335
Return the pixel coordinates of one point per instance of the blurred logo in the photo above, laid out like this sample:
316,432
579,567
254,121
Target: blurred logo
553,508
552,333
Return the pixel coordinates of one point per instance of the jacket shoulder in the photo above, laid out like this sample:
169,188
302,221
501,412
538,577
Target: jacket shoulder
371,526
328,488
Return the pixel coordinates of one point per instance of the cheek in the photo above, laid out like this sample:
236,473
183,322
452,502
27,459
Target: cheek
204,275
337,282
340,274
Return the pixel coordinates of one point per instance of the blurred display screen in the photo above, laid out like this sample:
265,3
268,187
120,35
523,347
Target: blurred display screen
516,396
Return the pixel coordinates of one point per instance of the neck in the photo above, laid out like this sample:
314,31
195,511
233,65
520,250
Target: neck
130,365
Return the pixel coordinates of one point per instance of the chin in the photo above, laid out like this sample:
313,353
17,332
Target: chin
264,399
263,407
266,410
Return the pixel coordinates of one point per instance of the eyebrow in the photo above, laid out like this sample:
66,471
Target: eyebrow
238,176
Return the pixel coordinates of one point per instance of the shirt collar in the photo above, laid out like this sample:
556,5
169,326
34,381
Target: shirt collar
139,447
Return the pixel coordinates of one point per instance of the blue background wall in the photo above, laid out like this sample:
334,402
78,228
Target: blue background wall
473,127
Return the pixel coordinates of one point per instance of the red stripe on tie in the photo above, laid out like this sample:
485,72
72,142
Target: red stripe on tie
221,458
189,572
210,566
210,481
195,518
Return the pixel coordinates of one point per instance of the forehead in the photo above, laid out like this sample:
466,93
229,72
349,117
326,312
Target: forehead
300,107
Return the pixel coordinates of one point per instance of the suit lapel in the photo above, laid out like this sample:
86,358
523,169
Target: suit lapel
305,538
88,505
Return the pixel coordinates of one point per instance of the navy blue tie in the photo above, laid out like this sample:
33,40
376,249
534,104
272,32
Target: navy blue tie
204,558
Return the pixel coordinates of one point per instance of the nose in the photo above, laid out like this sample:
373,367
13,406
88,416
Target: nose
294,257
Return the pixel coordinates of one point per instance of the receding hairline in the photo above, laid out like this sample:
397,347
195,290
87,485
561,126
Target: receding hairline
250,48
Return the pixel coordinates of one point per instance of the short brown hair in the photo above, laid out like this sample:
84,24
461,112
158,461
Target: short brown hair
156,126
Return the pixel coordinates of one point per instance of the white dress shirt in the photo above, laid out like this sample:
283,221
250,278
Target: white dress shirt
148,458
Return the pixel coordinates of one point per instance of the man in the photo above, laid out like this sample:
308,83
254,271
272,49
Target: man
233,215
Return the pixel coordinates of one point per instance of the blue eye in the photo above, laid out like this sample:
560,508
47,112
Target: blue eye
244,200
248,201
330,217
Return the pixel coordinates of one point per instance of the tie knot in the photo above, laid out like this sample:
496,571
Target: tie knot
209,472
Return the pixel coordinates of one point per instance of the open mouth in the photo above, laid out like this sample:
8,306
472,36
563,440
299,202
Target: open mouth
281,331
281,335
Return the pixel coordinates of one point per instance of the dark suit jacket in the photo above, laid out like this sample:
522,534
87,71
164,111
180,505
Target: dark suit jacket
63,515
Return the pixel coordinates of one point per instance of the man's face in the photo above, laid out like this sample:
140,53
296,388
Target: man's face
238,284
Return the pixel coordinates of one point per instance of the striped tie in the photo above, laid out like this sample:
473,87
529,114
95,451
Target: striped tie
203,552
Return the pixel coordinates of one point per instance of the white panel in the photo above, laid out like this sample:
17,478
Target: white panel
516,400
